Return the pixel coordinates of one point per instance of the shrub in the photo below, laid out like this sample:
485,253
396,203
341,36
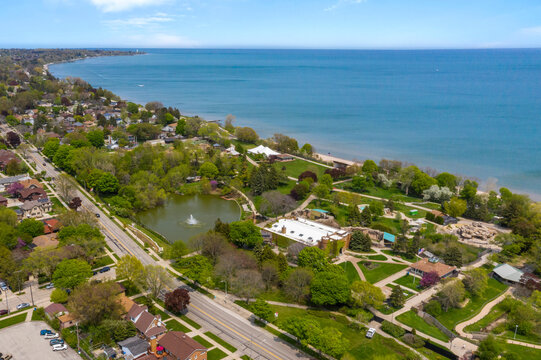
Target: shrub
392,329
500,328
413,340
430,217
70,338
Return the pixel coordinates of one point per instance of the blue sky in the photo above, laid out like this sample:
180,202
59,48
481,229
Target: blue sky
353,24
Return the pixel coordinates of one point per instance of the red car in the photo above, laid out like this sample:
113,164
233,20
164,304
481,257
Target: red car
3,312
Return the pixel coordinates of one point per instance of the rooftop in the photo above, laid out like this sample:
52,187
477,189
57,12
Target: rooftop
426,266
306,231
508,272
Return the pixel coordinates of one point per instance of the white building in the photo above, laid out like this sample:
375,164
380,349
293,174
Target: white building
309,232
263,150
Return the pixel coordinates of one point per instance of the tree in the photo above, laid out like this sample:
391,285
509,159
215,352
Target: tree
64,187
107,184
213,245
476,281
130,268
31,227
452,294
75,203
13,167
285,143
177,250
306,329
245,234
70,273
262,310
308,174
59,296
489,349
370,168
275,203
360,184
452,256
326,180
92,303
13,139
88,238
8,236
197,268
246,134
354,215
429,279
397,298
269,273
300,190
366,216
455,207
365,294
208,170
14,188
406,177
329,288
156,278
50,147
448,180
144,131
177,300
118,329
437,194
360,241
181,127
96,138
313,258
307,149
297,284
247,284
321,191
332,342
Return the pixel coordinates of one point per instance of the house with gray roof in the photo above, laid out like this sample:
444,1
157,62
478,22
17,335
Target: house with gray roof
133,347
507,274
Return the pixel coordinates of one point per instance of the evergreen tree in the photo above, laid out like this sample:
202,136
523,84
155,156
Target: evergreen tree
397,298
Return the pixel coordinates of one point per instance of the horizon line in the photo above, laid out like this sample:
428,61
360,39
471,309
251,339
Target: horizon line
275,48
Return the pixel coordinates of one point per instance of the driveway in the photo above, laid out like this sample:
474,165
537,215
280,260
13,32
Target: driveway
24,342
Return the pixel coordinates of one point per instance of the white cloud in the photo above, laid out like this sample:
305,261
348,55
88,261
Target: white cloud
121,5
534,30
140,21
342,3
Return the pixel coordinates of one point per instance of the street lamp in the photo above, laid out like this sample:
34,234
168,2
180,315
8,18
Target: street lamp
514,337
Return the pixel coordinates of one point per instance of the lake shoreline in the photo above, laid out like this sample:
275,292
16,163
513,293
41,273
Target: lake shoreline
349,159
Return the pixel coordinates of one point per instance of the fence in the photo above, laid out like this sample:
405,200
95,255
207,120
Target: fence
432,320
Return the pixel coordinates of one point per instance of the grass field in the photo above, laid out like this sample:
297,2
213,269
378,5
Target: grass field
12,320
351,272
454,316
225,344
415,321
380,271
360,347
377,257
190,321
402,256
408,282
174,325
202,341
296,167
522,352
216,354
495,313
103,261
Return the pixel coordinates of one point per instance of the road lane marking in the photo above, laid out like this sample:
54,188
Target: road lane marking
236,332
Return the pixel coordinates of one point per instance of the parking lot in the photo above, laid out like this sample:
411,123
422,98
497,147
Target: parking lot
24,342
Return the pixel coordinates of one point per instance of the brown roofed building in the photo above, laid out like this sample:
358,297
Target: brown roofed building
54,309
50,226
424,266
31,184
3,201
30,194
177,345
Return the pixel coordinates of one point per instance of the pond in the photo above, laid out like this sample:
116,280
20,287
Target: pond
184,216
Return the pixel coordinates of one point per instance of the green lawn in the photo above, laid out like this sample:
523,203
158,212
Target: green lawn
275,295
163,315
402,256
495,313
245,357
57,205
216,354
380,271
415,321
296,167
221,342
202,341
522,352
190,321
392,224
174,325
351,272
359,346
12,320
377,257
409,281
454,316
103,261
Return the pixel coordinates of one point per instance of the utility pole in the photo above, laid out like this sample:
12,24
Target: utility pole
7,303
78,348
514,337
31,294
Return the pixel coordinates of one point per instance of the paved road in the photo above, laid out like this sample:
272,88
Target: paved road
239,331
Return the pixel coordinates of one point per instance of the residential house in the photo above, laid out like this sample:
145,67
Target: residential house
66,321
55,309
231,151
3,201
31,184
171,128
133,347
425,266
147,324
178,346
34,209
30,194
5,157
50,226
6,182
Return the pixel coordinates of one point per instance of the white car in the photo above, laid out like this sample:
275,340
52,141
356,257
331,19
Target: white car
60,347
49,286
370,333
51,336
23,306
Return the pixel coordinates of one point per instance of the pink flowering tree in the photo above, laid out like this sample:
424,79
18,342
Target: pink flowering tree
14,188
429,279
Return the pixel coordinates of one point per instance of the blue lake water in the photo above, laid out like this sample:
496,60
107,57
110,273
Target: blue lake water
471,112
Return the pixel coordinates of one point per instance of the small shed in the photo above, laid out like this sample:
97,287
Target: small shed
388,239
414,212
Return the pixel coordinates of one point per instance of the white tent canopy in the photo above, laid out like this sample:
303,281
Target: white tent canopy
263,150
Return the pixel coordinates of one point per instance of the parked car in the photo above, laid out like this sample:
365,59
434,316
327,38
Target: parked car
51,336
60,347
56,342
97,215
23,306
8,357
370,333
105,269
49,286
3,312
3,286
45,332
